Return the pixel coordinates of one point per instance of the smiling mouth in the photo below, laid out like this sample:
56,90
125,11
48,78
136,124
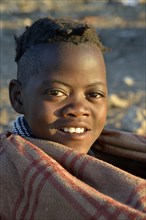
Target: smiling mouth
72,130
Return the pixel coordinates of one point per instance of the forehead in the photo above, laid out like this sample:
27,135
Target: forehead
72,65
68,55
62,62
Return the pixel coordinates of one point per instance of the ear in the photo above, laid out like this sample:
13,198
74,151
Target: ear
15,95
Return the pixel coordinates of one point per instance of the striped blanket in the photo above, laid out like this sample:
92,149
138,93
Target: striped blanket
43,180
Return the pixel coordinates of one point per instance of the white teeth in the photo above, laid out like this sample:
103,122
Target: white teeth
73,130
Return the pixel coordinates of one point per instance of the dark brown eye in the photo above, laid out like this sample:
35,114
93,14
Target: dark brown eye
55,92
94,95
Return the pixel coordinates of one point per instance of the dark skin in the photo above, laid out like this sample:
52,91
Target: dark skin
66,100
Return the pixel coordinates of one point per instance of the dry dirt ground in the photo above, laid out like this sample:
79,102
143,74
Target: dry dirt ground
122,28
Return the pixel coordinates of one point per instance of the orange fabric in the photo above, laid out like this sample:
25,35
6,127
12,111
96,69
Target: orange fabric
45,180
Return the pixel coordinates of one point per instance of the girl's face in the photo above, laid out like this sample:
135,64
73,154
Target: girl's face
66,101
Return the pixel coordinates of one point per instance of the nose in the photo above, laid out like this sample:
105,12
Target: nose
77,109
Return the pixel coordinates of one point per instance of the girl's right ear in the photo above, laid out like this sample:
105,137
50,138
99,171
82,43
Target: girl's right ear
16,96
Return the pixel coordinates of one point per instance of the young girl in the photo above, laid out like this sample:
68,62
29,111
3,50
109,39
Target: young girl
61,93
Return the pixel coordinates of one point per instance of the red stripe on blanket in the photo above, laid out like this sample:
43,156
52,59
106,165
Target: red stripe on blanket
100,214
38,191
133,193
78,207
139,202
17,205
65,156
73,163
102,210
72,201
33,163
128,215
83,166
29,192
22,194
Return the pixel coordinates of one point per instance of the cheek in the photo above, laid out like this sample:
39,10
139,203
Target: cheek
101,114
47,112
41,113
104,110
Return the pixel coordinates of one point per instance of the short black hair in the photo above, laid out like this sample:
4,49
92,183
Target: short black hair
50,31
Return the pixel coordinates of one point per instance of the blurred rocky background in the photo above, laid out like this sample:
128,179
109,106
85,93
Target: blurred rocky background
121,25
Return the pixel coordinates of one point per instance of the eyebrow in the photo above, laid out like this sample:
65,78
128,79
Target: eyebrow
98,83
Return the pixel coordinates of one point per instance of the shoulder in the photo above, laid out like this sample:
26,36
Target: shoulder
5,160
7,167
3,145
9,178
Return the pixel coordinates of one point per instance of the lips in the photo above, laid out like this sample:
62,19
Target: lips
73,129
78,130
69,132
74,133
